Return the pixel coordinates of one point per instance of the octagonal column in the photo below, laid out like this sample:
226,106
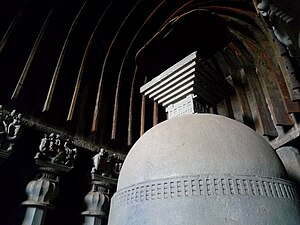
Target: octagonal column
55,157
41,193
104,175
97,200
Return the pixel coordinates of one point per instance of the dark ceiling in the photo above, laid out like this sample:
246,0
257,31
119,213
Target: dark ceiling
79,64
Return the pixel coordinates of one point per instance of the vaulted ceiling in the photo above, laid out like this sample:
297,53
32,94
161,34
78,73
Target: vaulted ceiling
78,65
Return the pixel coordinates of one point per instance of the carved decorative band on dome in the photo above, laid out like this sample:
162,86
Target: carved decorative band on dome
205,186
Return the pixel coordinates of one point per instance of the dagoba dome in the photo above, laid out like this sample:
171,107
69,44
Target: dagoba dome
203,169
199,144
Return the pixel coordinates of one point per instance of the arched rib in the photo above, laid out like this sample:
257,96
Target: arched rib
99,93
31,56
11,28
116,106
129,137
82,64
60,60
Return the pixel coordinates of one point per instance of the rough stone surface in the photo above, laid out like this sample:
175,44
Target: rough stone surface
203,169
291,161
212,210
199,144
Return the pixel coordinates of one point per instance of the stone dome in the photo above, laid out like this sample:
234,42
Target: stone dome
203,169
199,144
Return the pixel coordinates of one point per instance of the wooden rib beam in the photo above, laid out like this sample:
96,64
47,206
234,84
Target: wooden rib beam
287,70
143,112
155,113
118,87
243,100
60,60
265,118
130,114
264,114
274,96
83,63
11,28
31,57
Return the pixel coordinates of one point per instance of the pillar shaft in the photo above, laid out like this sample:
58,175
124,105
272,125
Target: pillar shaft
97,200
34,216
55,157
41,193
93,220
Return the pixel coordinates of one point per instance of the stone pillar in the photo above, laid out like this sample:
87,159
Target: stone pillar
290,158
98,200
104,176
55,157
40,193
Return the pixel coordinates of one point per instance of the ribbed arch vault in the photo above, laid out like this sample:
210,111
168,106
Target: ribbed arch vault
78,65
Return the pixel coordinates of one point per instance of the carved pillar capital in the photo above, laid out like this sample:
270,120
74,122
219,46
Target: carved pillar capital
53,160
98,200
10,127
107,165
55,151
40,193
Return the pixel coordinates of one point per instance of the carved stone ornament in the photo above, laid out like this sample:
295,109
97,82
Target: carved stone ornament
98,200
55,157
284,20
44,189
53,149
188,87
10,126
107,165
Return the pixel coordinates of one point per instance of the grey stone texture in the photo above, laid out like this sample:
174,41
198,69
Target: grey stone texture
10,130
97,200
40,194
203,169
199,143
42,191
178,88
291,160
95,214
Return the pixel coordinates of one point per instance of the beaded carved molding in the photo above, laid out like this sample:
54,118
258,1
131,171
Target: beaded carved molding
205,186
